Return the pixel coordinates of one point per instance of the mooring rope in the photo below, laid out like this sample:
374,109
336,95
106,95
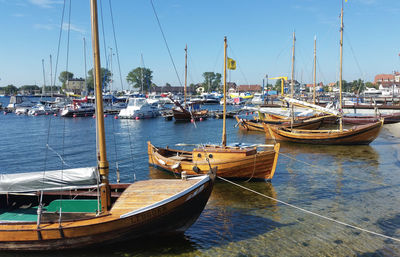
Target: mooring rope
312,213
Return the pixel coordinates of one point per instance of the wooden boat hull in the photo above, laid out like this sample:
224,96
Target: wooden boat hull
232,164
358,120
180,115
358,135
164,216
257,125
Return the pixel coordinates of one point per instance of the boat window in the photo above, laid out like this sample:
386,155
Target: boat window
210,156
199,155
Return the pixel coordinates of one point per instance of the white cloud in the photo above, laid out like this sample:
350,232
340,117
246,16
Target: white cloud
43,26
73,28
45,3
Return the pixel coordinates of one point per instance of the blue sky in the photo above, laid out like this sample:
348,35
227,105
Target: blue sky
259,37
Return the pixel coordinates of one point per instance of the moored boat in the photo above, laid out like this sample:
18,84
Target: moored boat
75,208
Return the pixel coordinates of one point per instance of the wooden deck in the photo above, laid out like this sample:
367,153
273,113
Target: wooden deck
144,193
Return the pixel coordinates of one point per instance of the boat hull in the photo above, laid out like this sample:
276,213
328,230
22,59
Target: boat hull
358,135
233,165
164,217
257,125
188,116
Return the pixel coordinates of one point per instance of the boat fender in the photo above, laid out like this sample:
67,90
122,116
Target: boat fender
176,165
161,162
196,169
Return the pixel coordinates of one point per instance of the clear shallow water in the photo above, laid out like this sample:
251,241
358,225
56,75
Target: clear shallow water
358,185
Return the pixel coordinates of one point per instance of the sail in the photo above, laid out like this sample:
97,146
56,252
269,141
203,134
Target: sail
312,106
49,180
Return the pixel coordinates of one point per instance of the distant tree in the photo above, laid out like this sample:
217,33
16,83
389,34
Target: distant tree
64,77
212,81
140,78
10,90
30,88
106,79
371,85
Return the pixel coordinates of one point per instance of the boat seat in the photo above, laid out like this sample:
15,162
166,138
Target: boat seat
73,205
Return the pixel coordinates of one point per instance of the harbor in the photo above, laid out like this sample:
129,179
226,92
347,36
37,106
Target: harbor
355,185
224,167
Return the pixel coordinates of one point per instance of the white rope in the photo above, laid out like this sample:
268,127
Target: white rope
313,213
59,156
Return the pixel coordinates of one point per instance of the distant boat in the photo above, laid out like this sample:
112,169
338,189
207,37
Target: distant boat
257,124
189,110
78,108
139,108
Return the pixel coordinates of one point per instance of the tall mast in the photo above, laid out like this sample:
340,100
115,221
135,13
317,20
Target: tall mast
84,58
292,82
102,158
44,79
315,67
51,77
184,90
224,119
341,67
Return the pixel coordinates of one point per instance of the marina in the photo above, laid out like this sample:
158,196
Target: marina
226,166
351,184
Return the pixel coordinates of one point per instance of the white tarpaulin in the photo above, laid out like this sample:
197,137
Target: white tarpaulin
49,180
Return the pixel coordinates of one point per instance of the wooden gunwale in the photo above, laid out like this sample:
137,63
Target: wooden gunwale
327,136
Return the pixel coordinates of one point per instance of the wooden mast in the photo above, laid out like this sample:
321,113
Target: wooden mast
315,67
224,117
102,158
184,90
341,68
292,82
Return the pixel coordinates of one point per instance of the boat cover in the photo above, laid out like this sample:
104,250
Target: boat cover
49,180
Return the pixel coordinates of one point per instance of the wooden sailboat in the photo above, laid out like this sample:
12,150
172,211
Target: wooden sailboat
68,216
189,111
363,134
233,162
257,124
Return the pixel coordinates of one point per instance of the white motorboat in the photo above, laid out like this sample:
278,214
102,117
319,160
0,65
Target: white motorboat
139,108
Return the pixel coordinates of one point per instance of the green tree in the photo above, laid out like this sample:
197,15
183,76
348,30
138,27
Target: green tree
212,81
10,90
140,78
371,85
106,79
64,76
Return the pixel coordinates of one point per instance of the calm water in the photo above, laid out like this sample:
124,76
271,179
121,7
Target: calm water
358,185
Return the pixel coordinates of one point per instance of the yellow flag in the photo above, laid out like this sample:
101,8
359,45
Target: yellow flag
231,64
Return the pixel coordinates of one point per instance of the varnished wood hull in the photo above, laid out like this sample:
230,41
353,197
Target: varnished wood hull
233,165
358,135
257,125
164,216
180,115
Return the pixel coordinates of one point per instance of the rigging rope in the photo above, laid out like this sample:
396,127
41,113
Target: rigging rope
312,213
165,41
116,45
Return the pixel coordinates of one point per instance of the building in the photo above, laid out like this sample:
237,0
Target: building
389,84
75,85
248,88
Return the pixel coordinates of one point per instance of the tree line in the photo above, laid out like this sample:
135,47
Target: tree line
141,78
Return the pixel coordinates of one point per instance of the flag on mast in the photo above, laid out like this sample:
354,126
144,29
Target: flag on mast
231,64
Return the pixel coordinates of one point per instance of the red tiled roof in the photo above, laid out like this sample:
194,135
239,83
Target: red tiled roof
249,88
383,77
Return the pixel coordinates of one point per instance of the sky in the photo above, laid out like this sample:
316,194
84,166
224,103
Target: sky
259,34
